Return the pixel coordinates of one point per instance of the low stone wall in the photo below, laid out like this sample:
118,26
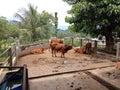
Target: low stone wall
28,50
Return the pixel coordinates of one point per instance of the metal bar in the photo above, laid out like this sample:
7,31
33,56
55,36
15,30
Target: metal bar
24,87
11,66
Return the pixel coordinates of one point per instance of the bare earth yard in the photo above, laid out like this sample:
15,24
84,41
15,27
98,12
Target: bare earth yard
45,64
41,64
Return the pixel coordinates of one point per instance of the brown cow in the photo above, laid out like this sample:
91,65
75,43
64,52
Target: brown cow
38,50
117,66
81,50
88,47
52,47
55,41
63,48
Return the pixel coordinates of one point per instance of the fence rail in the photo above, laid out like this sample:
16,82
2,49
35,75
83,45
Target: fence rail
8,58
8,64
4,52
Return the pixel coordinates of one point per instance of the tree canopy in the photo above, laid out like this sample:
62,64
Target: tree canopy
95,17
35,22
7,29
28,25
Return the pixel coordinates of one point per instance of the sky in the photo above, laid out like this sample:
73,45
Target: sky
9,7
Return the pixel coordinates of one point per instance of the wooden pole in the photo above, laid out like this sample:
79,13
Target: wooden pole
81,42
95,45
118,50
10,56
72,41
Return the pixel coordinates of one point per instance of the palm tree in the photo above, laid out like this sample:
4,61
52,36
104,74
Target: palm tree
28,19
24,36
39,24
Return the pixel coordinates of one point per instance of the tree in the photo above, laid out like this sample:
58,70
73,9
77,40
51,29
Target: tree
28,19
56,23
3,23
72,2
24,36
31,20
95,17
7,31
46,24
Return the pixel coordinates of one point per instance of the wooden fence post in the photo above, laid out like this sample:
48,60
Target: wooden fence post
81,43
118,51
95,45
72,41
10,56
17,48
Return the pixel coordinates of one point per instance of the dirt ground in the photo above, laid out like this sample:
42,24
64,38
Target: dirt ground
45,64
46,57
109,75
70,56
72,61
74,81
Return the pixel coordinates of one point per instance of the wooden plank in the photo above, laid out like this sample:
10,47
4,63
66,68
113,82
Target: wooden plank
1,70
45,71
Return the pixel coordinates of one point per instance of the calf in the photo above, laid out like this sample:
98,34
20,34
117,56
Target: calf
39,50
63,48
117,66
80,50
87,49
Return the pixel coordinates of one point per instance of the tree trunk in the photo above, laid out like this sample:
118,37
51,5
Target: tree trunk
109,42
33,35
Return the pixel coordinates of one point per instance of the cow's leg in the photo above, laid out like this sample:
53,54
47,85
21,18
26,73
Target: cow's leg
52,52
49,48
55,53
89,51
62,55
